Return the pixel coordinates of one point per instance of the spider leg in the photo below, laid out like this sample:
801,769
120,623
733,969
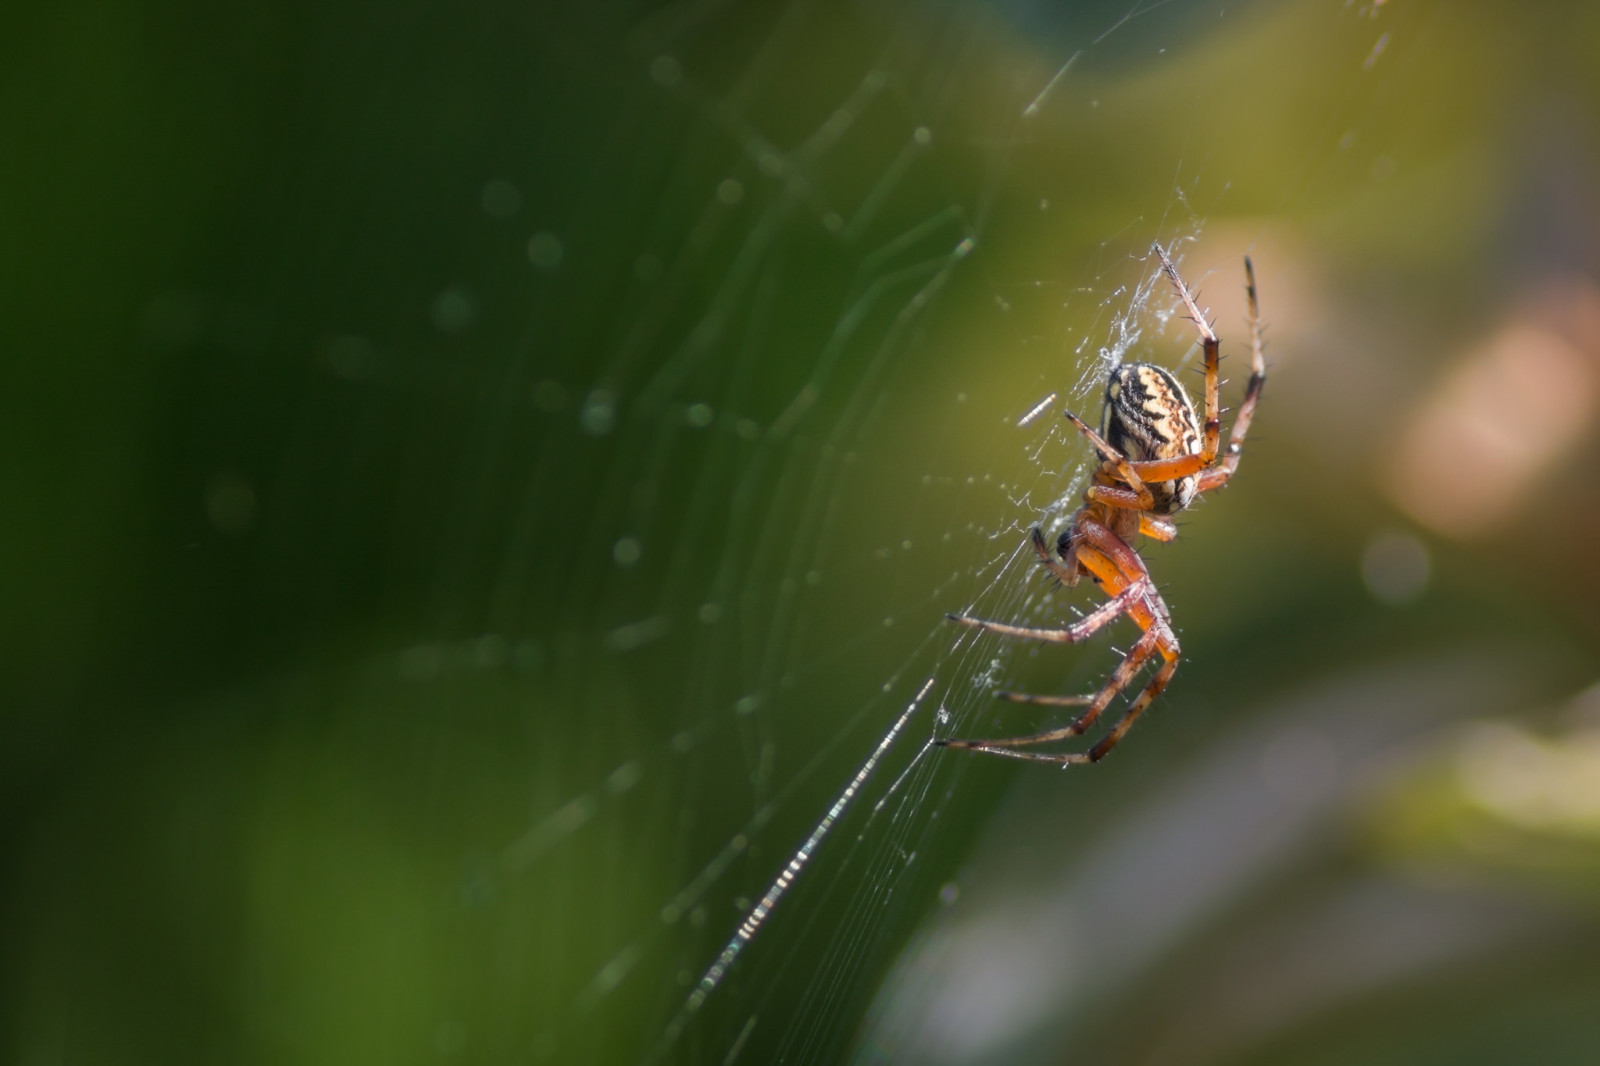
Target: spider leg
1120,570
1069,577
1136,474
1065,569
1116,565
1125,723
1209,342
1078,631
1170,469
1120,498
1162,529
1112,560
1151,642
1218,475
1119,463
1124,673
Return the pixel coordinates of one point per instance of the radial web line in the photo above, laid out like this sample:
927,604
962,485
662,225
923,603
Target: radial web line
1038,101
1036,410
916,760
775,892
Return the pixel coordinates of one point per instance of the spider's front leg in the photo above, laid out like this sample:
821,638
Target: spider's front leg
1218,475
1209,344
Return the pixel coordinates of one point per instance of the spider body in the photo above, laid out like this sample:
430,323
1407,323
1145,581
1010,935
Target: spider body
1158,457
1149,416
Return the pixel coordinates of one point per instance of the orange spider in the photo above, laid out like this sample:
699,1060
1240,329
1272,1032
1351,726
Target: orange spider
1157,460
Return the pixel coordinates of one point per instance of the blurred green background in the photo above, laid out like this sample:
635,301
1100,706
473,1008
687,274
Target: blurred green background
483,480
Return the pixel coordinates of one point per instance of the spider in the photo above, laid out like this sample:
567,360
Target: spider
1157,460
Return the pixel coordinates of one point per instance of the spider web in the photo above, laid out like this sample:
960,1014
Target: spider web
813,416
782,514
741,365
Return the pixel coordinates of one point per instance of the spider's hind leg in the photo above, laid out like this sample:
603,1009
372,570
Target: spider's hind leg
1130,598
1141,651
1140,705
1157,639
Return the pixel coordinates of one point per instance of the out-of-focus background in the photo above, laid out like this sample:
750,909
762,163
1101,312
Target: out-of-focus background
481,483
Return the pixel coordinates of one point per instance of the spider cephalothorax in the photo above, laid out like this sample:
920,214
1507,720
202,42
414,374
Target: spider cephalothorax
1157,459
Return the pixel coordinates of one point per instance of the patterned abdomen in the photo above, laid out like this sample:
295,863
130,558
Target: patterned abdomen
1149,416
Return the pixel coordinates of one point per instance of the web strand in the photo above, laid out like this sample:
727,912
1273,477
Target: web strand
785,880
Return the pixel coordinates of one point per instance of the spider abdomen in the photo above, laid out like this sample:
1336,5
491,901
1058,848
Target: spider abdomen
1149,416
